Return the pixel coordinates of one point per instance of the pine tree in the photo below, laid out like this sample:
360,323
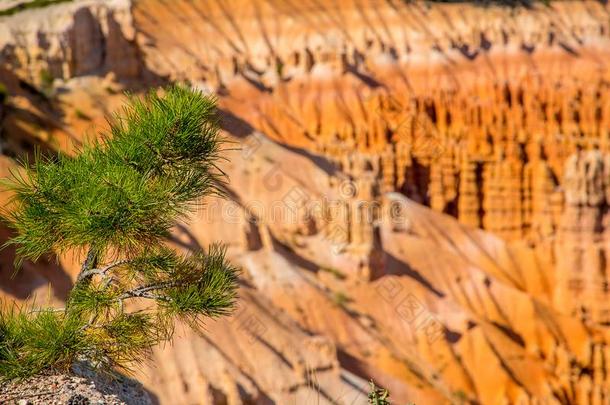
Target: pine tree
115,203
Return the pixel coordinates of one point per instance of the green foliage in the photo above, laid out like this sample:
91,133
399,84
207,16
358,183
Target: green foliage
94,298
29,5
117,200
31,341
158,159
340,298
206,290
460,397
338,274
3,94
46,82
378,396
81,115
279,67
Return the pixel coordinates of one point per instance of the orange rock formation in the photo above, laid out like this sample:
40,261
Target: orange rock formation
421,195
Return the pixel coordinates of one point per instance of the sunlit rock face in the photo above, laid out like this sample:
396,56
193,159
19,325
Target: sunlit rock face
419,192
71,39
479,113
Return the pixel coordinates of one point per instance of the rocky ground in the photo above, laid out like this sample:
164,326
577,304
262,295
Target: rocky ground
82,388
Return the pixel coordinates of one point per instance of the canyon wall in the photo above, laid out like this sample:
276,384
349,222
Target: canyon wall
497,116
419,196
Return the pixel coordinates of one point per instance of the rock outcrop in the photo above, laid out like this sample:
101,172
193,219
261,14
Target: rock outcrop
69,40
82,386
373,90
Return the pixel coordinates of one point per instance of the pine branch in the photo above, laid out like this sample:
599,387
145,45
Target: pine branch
141,291
157,161
101,271
88,263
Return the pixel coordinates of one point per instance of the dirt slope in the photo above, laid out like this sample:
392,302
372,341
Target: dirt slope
418,194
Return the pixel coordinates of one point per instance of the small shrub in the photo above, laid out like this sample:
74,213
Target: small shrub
279,67
460,397
81,115
340,298
3,94
378,396
337,273
46,82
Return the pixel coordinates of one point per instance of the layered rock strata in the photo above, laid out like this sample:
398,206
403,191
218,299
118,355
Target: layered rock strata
420,196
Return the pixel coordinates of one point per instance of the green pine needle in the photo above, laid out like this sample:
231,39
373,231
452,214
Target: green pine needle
124,192
118,200
32,341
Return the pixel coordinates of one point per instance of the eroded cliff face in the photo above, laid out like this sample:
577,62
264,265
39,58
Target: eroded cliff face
71,39
499,117
420,195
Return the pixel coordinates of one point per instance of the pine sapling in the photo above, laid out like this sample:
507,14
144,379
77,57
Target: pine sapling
115,203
